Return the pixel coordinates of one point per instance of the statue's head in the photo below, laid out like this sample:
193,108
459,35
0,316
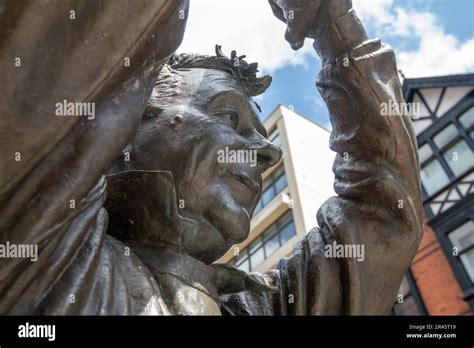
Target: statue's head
202,125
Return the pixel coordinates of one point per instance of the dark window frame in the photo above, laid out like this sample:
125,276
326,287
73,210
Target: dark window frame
414,293
439,124
271,181
279,227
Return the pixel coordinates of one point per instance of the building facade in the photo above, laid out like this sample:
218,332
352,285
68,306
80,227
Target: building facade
293,190
441,278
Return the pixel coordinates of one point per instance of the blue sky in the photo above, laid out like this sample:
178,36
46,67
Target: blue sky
429,37
294,85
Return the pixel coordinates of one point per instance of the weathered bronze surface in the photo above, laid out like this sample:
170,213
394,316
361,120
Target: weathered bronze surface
129,212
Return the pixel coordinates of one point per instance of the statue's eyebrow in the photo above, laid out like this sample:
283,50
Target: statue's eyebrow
229,92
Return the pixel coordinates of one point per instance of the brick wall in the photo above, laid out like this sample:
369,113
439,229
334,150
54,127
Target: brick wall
434,277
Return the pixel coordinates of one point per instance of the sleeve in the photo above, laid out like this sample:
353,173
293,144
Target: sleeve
378,207
103,53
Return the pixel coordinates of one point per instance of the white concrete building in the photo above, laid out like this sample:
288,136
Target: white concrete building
293,191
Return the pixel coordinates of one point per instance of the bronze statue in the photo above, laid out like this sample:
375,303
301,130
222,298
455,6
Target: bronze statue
129,206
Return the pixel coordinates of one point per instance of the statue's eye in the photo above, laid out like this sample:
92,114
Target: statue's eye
230,116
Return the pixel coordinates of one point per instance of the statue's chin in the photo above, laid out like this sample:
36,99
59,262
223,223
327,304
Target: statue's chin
211,242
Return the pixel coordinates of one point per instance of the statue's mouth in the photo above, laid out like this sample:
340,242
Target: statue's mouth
246,181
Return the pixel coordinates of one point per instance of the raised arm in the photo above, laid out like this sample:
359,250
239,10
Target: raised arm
378,208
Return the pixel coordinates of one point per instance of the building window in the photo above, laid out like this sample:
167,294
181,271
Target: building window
467,121
446,157
408,301
462,239
433,176
459,157
444,126
272,186
448,154
274,137
274,237
435,104
455,151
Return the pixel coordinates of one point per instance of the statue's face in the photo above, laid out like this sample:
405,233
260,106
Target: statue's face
211,116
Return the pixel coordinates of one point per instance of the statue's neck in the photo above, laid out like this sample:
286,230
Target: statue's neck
143,214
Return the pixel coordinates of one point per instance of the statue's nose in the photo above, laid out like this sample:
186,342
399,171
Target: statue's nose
268,154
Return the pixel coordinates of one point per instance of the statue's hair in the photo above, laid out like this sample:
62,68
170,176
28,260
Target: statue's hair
167,82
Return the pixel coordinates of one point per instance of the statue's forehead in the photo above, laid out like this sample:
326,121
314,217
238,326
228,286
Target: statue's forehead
204,85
